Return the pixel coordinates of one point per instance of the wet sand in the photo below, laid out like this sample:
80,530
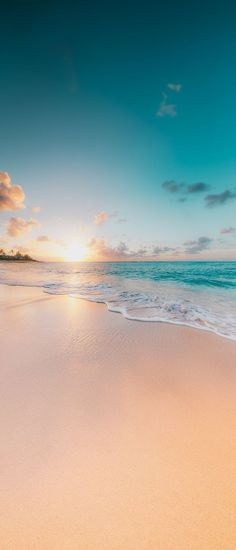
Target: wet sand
115,434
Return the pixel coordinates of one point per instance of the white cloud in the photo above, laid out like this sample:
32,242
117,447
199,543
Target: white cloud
174,87
100,218
166,109
18,226
11,196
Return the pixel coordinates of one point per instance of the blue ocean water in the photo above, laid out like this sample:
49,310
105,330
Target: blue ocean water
196,294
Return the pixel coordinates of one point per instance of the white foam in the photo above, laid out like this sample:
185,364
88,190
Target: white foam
212,309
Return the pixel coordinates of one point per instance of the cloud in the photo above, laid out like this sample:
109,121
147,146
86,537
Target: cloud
198,187
18,226
100,218
184,189
172,186
35,209
157,250
11,196
166,109
143,251
43,239
220,198
5,179
100,250
194,247
227,230
174,87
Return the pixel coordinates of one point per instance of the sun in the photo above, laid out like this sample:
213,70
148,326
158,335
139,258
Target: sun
75,253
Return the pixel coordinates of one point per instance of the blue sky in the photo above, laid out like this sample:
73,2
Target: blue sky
100,106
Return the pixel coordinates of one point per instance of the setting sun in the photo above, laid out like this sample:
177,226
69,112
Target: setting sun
75,253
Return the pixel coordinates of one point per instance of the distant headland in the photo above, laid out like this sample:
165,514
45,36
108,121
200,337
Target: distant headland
15,256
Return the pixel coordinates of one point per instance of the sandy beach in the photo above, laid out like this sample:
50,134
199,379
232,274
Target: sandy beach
115,434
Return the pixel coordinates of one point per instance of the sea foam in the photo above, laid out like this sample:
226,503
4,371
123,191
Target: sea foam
196,294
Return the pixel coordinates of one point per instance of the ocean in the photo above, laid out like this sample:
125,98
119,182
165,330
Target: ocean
196,294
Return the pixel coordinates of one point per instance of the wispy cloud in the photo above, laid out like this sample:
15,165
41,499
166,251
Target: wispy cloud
103,216
157,250
43,239
227,230
172,186
174,87
194,247
198,187
184,189
11,196
219,199
18,226
166,108
101,250
35,209
100,218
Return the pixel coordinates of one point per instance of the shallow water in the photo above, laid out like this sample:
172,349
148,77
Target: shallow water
196,294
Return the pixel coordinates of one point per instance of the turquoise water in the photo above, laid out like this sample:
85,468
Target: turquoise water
196,294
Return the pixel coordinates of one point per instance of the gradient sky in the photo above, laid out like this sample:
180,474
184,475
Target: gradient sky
118,119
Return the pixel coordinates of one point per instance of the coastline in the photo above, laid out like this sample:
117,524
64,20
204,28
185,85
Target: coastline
116,435
123,312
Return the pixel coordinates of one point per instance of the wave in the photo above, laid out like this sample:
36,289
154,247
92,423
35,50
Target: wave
141,297
177,313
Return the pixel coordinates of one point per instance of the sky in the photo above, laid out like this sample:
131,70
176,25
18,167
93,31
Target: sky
118,124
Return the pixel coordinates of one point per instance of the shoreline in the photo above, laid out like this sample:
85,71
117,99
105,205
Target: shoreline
126,318
115,435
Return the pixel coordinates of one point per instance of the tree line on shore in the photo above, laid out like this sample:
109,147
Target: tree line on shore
15,256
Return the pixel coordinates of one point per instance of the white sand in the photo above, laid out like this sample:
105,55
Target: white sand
114,434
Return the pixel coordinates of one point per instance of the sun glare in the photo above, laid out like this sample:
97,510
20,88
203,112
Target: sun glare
75,253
